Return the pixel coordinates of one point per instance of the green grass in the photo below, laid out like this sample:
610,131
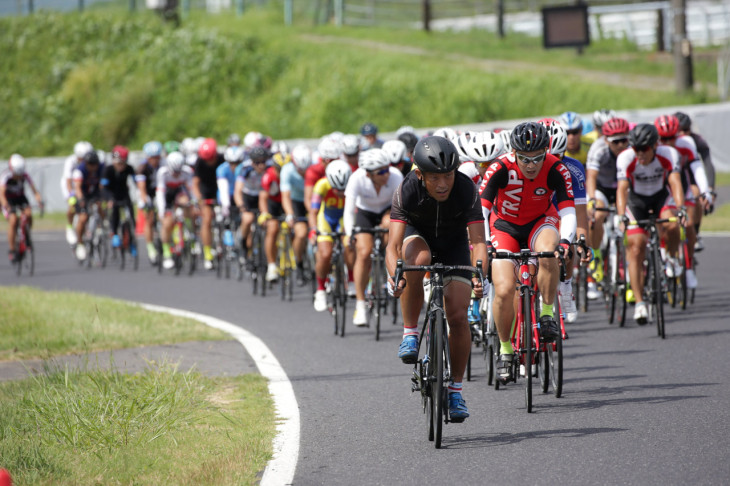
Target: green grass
114,77
50,221
158,427
38,324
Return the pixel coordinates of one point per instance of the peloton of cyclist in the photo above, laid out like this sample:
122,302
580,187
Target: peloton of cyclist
576,147
146,179
648,180
327,207
67,188
368,197
692,172
13,199
270,208
292,200
601,185
435,215
172,190
517,200
205,192
87,188
116,191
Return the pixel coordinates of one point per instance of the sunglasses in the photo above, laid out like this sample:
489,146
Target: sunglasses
642,148
574,132
668,139
531,160
382,171
620,141
258,162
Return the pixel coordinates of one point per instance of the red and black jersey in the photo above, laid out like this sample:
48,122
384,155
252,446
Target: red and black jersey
519,200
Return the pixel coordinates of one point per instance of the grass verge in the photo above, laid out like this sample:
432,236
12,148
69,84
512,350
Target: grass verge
158,427
39,324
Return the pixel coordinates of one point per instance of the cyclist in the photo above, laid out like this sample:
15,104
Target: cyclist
648,180
692,173
234,140
369,132
599,118
517,200
351,150
410,140
601,185
67,189
368,197
292,200
477,151
558,144
116,191
146,179
435,214
170,146
327,207
247,190
226,177
270,208
205,193
87,187
573,124
172,190
328,150
12,198
703,149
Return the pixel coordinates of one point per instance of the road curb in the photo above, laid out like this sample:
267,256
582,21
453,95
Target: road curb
280,469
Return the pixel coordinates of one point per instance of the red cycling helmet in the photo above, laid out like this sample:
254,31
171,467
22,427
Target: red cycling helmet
120,153
667,126
208,149
548,122
615,126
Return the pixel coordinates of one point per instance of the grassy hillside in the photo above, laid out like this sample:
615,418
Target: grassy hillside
114,77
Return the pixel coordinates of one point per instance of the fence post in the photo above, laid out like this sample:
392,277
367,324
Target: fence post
339,13
288,14
660,31
239,7
682,49
426,15
499,6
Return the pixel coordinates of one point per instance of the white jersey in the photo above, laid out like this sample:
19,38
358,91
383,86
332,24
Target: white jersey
169,181
69,166
360,193
649,179
469,168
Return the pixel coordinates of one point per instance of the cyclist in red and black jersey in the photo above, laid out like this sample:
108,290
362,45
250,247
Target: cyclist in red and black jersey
205,188
434,216
115,189
517,195
12,197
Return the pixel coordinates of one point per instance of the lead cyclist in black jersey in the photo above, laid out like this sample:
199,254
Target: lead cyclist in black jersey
435,215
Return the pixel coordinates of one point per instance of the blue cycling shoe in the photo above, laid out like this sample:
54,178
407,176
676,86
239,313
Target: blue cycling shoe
457,408
408,351
116,241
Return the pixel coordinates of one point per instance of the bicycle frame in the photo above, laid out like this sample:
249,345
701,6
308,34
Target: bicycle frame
377,297
336,285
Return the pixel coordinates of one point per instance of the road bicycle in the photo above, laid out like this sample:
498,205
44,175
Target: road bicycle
677,291
127,238
615,281
24,250
655,282
533,356
287,261
432,371
185,246
376,294
257,262
336,284
227,258
96,236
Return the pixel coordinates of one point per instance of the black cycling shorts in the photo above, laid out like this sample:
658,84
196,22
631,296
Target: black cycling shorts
449,251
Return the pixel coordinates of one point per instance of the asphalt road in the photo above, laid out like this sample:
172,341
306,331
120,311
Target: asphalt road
635,410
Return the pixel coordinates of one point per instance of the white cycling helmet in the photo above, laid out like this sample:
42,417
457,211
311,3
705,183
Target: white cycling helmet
329,148
338,173
374,159
461,142
301,157
602,116
558,136
82,148
175,161
350,144
484,146
405,129
251,139
17,164
188,146
395,151
506,135
280,147
446,132
234,154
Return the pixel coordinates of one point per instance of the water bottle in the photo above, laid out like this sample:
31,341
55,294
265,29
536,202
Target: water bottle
228,238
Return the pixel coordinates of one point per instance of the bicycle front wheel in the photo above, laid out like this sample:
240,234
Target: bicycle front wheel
341,294
527,347
437,389
659,292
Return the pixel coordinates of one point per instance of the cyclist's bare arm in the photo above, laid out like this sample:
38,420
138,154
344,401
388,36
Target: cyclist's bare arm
263,201
675,184
196,189
286,202
394,250
479,252
622,192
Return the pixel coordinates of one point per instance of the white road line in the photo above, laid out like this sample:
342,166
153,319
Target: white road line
280,469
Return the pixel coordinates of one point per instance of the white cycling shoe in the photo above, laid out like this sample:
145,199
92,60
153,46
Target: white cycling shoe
168,263
360,318
272,273
673,268
691,279
71,236
567,301
80,252
641,313
320,301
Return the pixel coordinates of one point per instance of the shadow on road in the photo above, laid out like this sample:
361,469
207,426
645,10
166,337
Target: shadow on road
506,438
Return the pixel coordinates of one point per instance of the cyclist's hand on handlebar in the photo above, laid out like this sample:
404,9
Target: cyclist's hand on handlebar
682,215
312,236
290,220
263,218
394,291
225,211
564,249
477,287
490,249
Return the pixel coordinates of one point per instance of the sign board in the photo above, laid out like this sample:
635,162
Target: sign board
565,26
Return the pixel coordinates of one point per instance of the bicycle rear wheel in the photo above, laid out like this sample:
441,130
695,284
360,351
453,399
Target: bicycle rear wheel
555,364
437,389
379,300
527,347
658,300
341,294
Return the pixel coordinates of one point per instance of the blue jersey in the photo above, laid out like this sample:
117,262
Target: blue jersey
578,174
224,171
292,181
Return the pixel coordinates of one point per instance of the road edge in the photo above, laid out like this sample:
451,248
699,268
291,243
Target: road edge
280,469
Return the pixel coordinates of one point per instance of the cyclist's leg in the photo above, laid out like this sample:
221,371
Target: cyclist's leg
206,230
545,237
12,218
457,296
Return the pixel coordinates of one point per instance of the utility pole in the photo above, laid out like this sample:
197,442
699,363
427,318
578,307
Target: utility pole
426,7
682,49
499,7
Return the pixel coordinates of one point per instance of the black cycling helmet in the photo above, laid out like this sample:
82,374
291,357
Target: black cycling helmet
530,136
435,154
685,122
369,129
92,158
259,153
643,135
410,139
